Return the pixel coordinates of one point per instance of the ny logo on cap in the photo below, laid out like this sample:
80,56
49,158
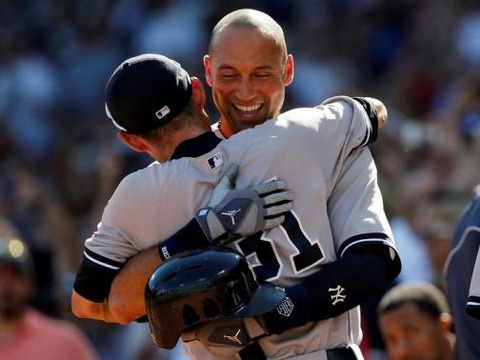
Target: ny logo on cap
162,112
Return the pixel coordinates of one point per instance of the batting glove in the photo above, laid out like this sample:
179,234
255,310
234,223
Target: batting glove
232,214
225,338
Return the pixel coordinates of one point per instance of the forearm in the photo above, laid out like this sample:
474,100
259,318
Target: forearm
84,308
126,300
338,287
126,291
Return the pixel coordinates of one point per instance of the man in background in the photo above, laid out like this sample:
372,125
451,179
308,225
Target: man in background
25,333
415,323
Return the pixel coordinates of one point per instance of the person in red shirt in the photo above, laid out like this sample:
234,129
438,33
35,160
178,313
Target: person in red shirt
25,333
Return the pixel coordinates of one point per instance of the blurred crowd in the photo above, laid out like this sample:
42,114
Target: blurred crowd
60,159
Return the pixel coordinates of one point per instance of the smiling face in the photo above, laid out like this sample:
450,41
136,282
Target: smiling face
248,72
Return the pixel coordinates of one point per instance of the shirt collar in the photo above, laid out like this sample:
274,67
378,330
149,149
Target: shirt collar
196,146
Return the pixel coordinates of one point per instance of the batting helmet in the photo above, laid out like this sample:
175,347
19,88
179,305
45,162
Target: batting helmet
200,285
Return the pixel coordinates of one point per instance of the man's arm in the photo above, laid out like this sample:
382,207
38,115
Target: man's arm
84,308
376,110
363,271
381,109
126,300
262,206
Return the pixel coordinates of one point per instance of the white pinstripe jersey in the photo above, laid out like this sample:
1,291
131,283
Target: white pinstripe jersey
336,199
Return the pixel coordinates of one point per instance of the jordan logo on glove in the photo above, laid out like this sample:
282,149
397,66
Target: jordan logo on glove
234,338
232,214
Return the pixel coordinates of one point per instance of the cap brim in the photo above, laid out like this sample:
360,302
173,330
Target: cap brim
266,298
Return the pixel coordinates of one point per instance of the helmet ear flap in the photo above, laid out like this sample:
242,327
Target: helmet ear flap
202,285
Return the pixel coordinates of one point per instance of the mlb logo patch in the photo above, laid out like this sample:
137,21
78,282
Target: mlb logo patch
162,112
215,160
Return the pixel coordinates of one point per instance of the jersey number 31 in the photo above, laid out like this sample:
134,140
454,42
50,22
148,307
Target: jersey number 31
266,262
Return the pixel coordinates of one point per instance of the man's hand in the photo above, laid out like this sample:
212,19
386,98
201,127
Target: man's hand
232,214
227,337
381,110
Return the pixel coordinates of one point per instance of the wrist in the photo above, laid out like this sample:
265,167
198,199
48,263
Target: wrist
371,111
212,227
189,237
294,311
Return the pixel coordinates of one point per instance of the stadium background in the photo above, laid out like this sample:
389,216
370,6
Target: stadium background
60,159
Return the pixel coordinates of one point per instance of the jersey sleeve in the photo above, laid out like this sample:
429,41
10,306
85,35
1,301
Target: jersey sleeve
473,303
355,205
112,243
364,123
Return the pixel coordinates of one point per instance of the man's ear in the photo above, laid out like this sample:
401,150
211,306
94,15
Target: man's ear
289,71
198,92
134,142
446,321
208,69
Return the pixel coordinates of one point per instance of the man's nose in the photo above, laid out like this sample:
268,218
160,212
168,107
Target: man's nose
400,350
245,90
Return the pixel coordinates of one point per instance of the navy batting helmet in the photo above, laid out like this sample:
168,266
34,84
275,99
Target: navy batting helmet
200,285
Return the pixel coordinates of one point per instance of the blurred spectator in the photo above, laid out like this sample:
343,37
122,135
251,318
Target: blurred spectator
469,29
412,248
415,323
26,333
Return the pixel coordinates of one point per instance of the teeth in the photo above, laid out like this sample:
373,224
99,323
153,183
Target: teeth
248,108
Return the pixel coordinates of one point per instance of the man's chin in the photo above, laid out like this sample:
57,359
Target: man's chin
247,123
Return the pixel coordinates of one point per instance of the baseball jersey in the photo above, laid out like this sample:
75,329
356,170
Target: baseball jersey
462,271
318,152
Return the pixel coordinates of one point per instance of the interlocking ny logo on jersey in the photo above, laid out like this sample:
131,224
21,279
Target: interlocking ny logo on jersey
337,297
215,160
232,214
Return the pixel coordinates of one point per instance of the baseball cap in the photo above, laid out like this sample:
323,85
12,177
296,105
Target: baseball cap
14,252
145,92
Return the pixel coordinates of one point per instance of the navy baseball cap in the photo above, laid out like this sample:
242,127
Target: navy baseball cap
145,92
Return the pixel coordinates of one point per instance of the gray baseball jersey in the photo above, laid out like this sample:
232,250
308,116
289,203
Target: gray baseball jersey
318,152
462,271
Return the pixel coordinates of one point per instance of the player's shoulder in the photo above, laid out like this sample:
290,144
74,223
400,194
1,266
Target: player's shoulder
330,109
149,178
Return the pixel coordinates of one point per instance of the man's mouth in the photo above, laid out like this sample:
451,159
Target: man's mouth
248,108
